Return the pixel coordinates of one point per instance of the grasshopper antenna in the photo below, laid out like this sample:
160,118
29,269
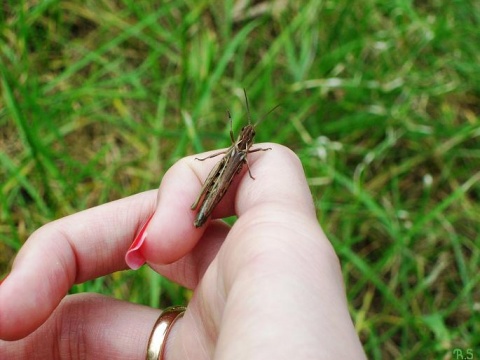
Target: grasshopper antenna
248,107
264,116
248,110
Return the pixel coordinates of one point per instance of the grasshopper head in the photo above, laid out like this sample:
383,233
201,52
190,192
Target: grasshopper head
246,137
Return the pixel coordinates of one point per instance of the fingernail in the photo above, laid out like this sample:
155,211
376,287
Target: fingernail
134,257
2,280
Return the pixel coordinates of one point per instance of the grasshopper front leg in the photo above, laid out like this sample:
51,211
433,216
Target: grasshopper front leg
246,160
212,156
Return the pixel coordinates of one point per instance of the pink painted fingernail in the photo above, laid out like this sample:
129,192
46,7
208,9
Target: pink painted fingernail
134,257
2,280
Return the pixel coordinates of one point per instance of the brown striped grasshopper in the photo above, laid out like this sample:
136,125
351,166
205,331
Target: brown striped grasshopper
222,174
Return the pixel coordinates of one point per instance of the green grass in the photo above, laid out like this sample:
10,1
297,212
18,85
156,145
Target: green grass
379,100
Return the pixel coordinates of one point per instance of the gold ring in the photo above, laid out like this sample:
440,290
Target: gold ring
161,329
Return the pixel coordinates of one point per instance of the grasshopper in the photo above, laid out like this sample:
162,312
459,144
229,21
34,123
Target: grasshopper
222,174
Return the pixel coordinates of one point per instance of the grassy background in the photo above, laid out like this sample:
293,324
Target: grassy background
380,100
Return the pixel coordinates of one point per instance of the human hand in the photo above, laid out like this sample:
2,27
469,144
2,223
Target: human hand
270,287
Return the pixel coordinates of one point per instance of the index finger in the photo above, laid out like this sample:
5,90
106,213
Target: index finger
71,250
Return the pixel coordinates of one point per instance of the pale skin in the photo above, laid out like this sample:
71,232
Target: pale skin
268,288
